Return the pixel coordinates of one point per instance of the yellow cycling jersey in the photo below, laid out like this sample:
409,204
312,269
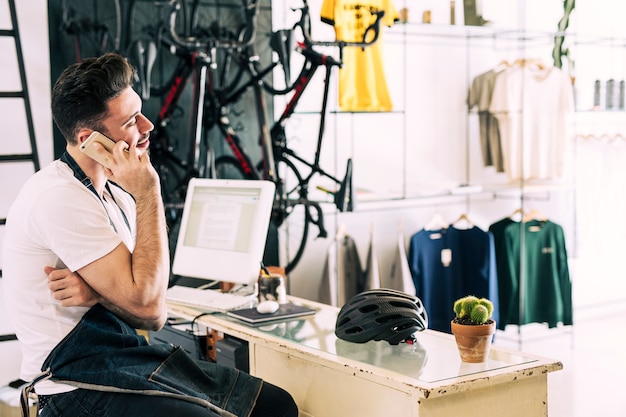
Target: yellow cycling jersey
362,83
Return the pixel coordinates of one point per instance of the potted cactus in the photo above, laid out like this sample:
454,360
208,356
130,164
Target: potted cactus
473,328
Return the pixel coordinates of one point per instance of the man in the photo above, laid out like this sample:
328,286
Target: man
86,263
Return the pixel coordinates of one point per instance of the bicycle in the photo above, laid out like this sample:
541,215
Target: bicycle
164,43
89,28
239,164
176,171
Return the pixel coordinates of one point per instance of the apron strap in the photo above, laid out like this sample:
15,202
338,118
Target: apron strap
29,389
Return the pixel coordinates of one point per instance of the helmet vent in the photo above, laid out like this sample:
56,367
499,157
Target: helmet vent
368,308
401,304
354,330
343,322
387,318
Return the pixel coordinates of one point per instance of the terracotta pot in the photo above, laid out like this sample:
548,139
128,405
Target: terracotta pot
473,342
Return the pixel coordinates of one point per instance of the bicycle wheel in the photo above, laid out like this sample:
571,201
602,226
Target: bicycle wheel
227,167
174,181
173,195
291,213
282,43
89,28
290,67
146,26
220,23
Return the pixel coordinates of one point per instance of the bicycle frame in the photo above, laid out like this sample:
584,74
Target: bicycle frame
313,60
280,149
279,139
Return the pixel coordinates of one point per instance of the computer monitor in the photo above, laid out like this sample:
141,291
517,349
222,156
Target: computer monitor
223,230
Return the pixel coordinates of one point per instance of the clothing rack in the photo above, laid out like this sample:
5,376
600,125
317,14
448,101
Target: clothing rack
519,218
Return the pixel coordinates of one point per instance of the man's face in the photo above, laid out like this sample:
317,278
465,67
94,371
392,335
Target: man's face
126,122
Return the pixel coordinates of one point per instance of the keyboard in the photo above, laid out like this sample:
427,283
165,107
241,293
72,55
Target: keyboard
208,300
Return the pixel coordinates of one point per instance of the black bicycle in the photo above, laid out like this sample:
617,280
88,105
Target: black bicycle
292,184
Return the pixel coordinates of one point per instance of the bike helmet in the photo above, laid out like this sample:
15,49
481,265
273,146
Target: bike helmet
381,314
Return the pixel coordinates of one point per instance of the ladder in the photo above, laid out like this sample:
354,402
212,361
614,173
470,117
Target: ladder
20,94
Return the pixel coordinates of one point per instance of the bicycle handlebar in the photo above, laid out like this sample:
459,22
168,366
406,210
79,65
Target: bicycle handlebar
247,37
305,26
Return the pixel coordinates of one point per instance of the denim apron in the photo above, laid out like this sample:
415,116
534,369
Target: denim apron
104,353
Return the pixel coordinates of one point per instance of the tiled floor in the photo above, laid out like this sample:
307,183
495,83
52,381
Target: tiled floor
592,352
594,363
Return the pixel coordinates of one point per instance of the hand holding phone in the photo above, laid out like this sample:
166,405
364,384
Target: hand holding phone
88,149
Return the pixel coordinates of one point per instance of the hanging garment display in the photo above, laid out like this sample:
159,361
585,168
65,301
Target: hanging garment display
372,271
343,274
448,264
539,290
532,104
505,279
479,96
362,83
400,277
523,118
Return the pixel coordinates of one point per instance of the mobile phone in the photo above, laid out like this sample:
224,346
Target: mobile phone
87,147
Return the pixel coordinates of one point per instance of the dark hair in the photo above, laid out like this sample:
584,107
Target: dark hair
82,91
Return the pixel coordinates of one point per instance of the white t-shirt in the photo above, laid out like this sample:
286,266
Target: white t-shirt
533,107
56,221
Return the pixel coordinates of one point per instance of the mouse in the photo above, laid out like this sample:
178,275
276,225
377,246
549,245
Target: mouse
267,307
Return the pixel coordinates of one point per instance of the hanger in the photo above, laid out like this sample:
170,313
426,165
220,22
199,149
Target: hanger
436,223
517,215
341,231
463,222
502,66
530,62
534,214
504,63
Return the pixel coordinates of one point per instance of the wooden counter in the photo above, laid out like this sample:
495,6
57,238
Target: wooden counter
329,377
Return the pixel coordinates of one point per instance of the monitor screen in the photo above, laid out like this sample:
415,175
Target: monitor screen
223,230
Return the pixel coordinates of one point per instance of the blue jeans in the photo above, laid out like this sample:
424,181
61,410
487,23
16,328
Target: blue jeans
87,403
272,402
104,354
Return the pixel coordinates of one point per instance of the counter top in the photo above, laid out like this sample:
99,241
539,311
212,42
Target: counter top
432,365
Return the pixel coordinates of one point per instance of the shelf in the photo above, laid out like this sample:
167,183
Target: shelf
495,32
367,202
463,32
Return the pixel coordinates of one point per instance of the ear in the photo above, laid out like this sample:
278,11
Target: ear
83,134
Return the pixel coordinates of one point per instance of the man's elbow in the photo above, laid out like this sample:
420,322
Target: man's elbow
153,318
143,317
158,323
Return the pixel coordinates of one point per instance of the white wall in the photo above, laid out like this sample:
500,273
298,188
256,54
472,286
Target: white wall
33,30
